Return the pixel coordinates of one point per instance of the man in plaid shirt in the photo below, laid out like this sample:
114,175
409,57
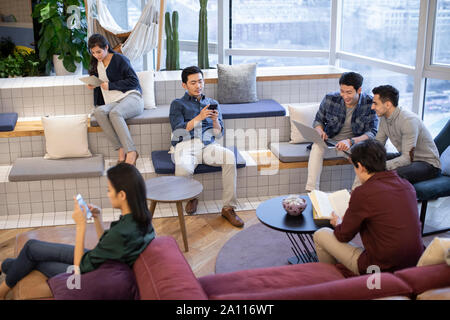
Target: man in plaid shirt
345,116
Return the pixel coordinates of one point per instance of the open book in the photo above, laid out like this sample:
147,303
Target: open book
92,80
324,203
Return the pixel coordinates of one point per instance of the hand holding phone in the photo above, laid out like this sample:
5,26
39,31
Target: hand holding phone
212,106
83,204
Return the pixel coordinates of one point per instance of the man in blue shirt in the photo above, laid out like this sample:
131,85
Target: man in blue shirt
344,116
195,126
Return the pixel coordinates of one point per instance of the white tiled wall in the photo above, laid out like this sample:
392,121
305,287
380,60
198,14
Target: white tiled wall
21,9
49,202
38,96
47,196
252,134
59,95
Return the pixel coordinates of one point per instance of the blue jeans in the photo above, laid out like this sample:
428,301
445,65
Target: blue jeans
49,258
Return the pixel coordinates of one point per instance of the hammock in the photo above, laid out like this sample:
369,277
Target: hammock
132,43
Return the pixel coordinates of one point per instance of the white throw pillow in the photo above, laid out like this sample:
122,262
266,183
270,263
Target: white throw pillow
304,113
147,82
66,136
435,253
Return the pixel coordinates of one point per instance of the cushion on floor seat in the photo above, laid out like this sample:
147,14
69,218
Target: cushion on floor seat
163,164
298,152
8,121
38,168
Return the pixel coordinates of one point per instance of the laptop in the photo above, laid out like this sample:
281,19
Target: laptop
312,135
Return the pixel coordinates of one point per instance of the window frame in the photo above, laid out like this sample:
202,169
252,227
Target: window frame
422,69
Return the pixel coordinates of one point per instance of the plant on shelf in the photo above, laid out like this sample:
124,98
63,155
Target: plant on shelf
172,42
203,59
57,36
17,61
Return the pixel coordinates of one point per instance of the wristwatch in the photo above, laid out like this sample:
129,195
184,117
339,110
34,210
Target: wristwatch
352,142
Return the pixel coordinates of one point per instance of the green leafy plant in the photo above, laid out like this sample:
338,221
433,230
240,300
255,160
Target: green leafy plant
20,63
57,38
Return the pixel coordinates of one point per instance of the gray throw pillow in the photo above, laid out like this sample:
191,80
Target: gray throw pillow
445,161
237,83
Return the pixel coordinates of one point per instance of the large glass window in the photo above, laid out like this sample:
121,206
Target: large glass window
437,105
188,13
279,61
374,77
384,29
441,43
287,24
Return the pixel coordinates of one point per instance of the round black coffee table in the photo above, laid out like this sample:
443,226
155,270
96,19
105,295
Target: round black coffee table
298,229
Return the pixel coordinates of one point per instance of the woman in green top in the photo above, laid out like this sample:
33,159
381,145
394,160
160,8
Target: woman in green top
124,241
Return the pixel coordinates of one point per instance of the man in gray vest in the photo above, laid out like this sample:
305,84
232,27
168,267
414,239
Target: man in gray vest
418,157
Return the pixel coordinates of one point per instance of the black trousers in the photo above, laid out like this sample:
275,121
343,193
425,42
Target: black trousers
416,171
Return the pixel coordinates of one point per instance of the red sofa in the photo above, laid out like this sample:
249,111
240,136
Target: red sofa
162,273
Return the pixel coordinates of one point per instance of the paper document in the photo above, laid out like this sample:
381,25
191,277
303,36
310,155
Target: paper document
92,80
325,203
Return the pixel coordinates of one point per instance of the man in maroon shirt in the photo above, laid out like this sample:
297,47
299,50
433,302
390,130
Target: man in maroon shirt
383,210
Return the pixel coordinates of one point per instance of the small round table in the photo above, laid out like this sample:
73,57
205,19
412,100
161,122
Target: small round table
272,214
170,189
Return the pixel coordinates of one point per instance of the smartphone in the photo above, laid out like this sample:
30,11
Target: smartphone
212,106
83,204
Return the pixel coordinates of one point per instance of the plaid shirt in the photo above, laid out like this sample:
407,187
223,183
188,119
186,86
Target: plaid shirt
331,116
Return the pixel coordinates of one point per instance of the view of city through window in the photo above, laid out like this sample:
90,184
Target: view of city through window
288,25
437,93
382,29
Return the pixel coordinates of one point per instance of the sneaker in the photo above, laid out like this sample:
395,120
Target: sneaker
229,214
191,206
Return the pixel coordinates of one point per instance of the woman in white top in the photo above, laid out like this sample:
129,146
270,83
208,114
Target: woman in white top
118,98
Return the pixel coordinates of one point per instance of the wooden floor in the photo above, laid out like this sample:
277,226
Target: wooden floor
207,233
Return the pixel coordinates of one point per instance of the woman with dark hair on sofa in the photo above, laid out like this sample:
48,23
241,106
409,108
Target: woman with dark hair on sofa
123,242
118,98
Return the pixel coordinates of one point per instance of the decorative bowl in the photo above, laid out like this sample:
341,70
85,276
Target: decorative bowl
294,205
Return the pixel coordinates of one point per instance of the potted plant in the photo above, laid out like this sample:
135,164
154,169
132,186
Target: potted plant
17,61
58,38
203,59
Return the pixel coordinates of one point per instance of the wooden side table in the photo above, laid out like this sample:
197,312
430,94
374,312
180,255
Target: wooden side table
169,189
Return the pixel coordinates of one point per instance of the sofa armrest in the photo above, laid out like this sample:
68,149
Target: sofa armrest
425,278
162,273
355,288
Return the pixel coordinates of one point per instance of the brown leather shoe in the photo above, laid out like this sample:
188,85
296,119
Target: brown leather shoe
229,214
191,206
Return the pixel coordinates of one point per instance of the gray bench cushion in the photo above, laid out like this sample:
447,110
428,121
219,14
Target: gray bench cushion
38,168
262,108
290,152
158,115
